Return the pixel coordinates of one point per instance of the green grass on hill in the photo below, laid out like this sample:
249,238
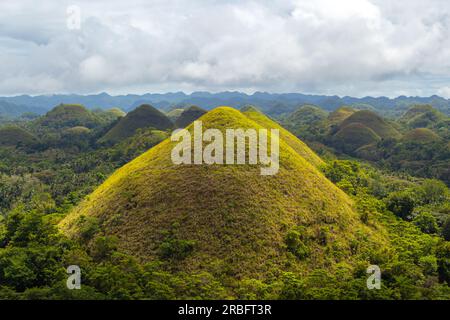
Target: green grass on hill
337,116
227,220
188,116
174,114
422,116
299,146
144,116
421,135
68,115
13,136
354,136
373,121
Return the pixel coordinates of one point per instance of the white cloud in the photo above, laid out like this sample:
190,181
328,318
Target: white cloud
347,47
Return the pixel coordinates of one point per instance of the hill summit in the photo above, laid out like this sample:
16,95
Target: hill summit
188,116
372,121
145,116
227,220
68,115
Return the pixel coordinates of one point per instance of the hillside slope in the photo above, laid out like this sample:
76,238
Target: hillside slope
372,121
13,136
188,116
354,136
299,146
68,115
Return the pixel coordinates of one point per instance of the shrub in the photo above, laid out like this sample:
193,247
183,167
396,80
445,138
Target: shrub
401,203
295,244
176,249
446,229
426,222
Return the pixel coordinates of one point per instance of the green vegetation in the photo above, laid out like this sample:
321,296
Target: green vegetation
336,117
15,136
188,116
354,136
69,115
299,146
421,135
142,117
373,121
422,116
416,143
307,122
174,114
141,227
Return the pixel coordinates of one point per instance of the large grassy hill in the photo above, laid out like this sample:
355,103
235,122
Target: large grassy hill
227,220
144,116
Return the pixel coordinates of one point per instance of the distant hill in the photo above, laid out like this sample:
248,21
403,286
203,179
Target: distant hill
339,115
15,136
144,116
296,144
188,116
174,114
68,115
373,121
422,116
273,104
307,122
354,136
227,220
117,112
9,110
421,135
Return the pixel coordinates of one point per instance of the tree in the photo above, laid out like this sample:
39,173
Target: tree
446,229
401,203
426,222
433,191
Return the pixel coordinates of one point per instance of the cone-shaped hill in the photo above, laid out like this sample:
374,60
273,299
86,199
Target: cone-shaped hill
13,136
307,122
117,112
228,220
421,116
373,121
144,116
421,135
188,116
354,136
174,114
68,115
307,114
337,116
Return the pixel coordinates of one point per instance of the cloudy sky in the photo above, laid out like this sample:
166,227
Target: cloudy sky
346,47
